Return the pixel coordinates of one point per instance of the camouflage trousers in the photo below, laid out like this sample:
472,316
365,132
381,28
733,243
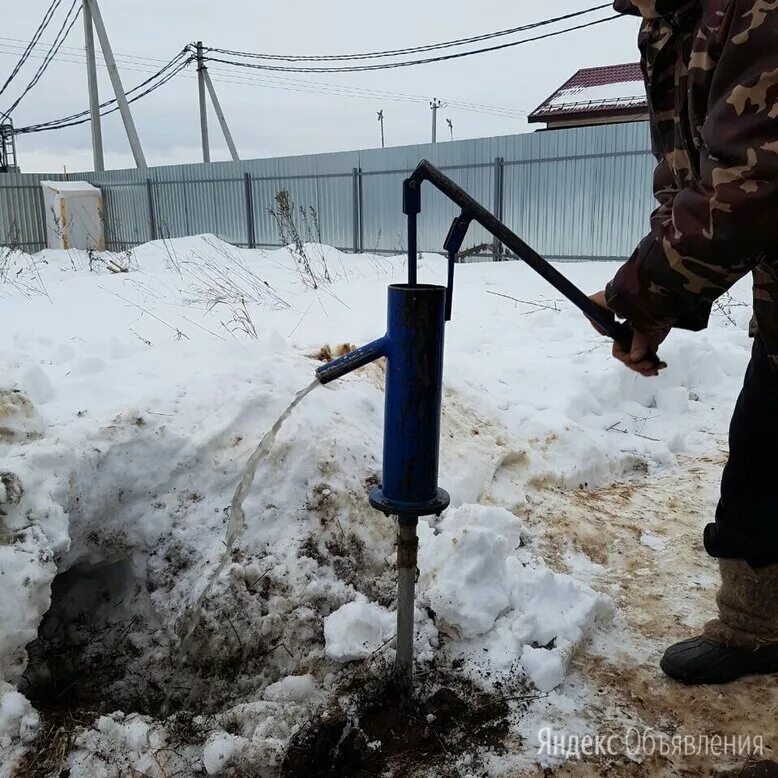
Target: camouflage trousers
747,515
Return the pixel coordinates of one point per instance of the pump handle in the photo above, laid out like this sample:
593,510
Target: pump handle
474,211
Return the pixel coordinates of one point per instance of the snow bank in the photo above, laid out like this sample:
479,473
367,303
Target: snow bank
18,719
131,401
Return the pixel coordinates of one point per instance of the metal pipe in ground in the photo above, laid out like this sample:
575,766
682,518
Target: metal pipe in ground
407,553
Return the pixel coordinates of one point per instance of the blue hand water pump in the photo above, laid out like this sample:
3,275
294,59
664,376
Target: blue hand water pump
413,347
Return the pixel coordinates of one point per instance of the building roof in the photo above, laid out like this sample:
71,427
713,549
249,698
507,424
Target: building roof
82,187
596,92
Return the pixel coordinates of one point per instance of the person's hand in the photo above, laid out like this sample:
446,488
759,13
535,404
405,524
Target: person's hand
644,344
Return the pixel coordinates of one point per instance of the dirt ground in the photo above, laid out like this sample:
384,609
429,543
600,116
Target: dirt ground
665,593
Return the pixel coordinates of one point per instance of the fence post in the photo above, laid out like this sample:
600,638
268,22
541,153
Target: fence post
361,212
356,215
250,233
499,201
44,228
152,214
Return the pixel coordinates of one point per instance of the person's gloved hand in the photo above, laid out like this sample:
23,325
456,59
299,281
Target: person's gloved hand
643,344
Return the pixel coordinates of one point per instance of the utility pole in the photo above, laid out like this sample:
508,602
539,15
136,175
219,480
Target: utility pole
220,116
8,162
203,106
381,120
435,104
116,82
450,127
98,159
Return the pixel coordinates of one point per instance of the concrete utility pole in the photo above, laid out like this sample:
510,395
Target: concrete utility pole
98,159
220,115
450,127
435,104
203,106
381,120
116,81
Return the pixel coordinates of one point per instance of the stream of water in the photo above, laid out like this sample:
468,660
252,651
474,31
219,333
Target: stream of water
191,620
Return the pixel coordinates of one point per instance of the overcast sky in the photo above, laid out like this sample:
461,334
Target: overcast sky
278,114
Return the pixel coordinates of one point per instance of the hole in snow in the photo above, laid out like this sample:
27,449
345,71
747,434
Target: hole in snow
101,648
85,656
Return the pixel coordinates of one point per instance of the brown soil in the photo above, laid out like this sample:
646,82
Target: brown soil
378,732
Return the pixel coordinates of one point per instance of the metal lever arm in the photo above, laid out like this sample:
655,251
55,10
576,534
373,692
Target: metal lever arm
452,245
474,211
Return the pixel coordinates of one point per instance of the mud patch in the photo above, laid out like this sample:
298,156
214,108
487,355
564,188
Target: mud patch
664,594
377,732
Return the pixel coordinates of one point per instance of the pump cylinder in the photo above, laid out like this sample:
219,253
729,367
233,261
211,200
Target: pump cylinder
414,385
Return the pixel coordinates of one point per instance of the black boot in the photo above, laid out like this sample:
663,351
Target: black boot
743,640
704,661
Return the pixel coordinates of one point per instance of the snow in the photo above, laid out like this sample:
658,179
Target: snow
18,719
628,92
479,585
465,579
131,402
356,630
654,542
293,688
218,752
83,187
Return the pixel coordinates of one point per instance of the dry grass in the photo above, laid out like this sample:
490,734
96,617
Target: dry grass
299,230
47,756
222,280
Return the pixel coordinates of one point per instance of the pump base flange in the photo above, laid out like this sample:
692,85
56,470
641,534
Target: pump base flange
389,507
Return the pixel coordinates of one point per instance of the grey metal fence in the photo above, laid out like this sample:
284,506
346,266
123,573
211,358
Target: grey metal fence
572,194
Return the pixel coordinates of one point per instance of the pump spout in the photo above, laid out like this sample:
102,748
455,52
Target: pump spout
352,361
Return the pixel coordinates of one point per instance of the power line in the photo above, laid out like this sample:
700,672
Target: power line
413,49
310,87
75,59
175,67
269,81
165,74
410,63
169,71
59,39
52,126
50,11
78,50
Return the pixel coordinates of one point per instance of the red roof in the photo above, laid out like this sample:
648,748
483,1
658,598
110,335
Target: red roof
596,92
610,74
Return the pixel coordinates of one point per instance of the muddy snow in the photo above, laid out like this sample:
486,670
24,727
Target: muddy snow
134,389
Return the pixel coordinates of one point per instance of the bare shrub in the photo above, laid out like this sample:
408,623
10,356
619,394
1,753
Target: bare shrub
172,261
223,280
19,270
299,229
725,305
123,262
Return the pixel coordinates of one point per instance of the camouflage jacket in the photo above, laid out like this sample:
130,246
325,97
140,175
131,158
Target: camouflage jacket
711,70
